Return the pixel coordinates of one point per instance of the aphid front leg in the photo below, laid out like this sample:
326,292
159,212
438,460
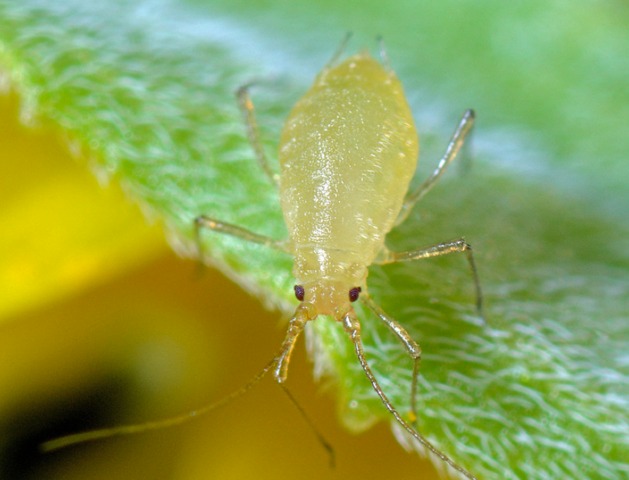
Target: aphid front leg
454,146
253,132
437,250
352,327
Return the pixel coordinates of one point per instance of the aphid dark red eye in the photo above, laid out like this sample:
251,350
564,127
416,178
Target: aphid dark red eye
354,293
299,292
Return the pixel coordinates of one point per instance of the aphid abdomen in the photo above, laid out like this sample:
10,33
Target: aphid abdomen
347,154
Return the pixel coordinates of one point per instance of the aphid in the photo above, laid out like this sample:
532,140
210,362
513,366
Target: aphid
348,152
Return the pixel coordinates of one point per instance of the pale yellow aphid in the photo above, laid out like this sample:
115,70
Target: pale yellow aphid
348,152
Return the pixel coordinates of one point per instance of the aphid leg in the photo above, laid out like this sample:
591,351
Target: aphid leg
352,327
92,435
339,50
280,370
324,443
204,222
253,132
437,250
454,146
413,348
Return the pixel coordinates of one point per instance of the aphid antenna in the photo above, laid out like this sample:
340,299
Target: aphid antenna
132,429
352,326
124,430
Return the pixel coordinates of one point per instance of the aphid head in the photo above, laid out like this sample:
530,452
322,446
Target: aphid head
328,297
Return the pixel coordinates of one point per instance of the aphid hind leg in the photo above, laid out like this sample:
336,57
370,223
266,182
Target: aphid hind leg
352,327
413,348
437,250
253,132
454,146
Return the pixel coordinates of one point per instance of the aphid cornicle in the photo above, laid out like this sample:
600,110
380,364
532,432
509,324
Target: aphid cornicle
348,152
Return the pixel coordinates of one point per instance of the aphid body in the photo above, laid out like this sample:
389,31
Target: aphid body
347,154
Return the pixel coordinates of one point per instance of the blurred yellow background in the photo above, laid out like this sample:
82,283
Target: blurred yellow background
101,324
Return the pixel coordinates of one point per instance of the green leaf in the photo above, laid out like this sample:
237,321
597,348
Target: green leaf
145,90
